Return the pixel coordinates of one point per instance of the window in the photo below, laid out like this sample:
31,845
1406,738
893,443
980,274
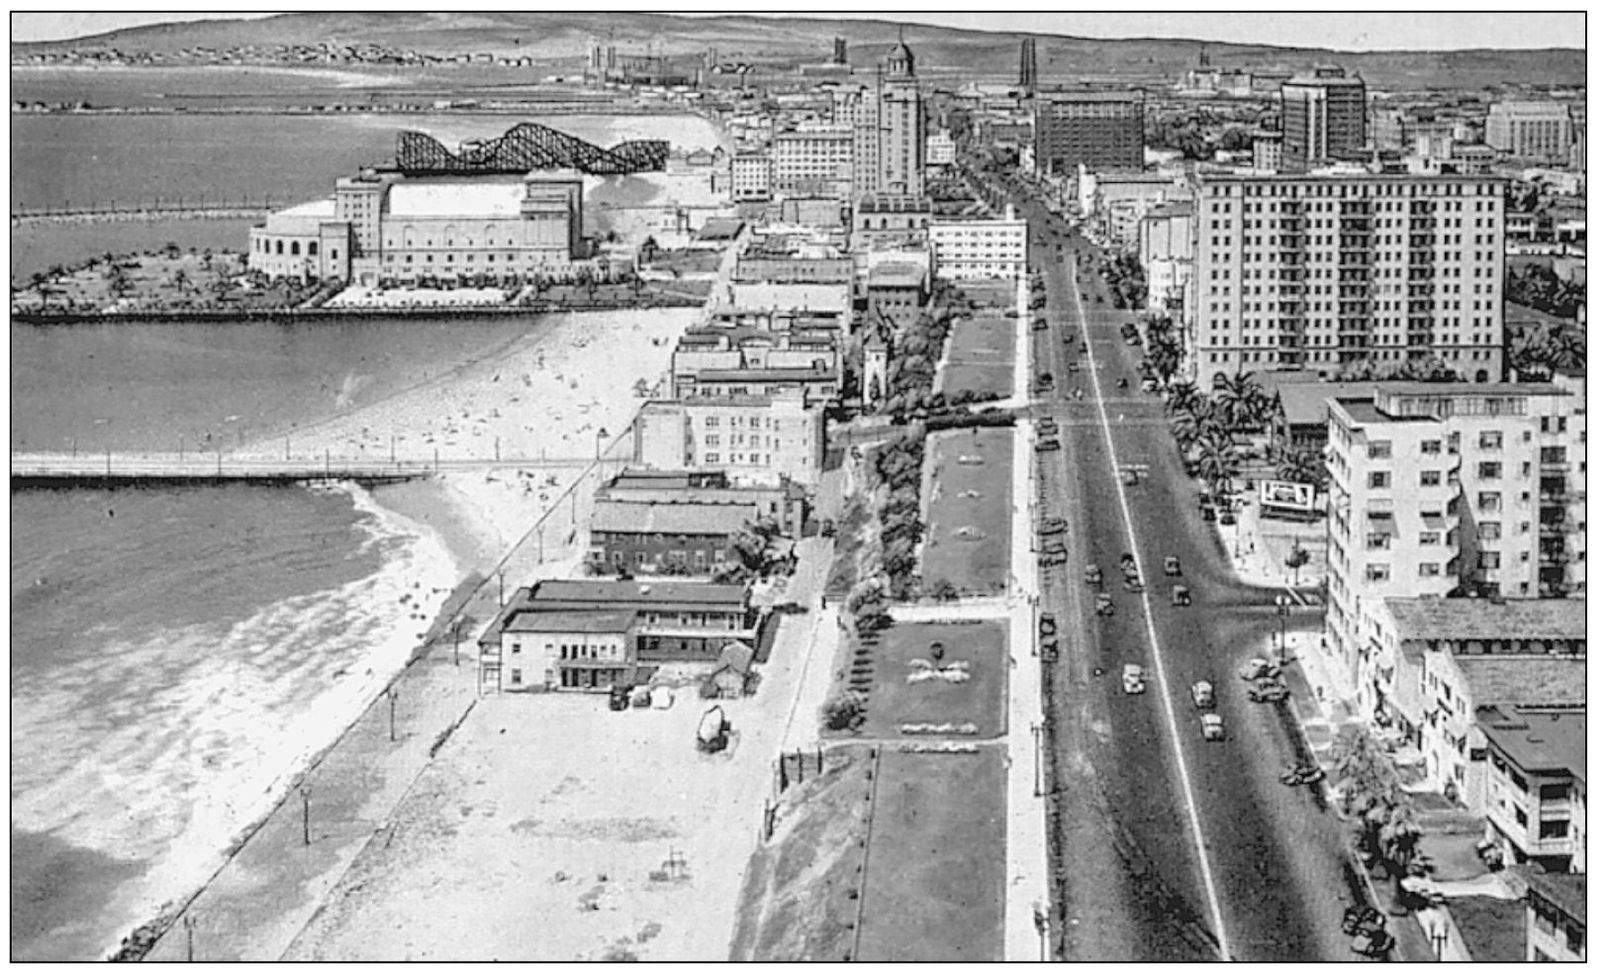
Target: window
1378,479
1428,569
1490,531
1429,479
1378,449
1490,440
516,648
1428,537
1520,815
1378,573
517,677
1489,560
1489,500
1489,470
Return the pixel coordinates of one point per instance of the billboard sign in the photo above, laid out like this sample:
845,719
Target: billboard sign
1288,496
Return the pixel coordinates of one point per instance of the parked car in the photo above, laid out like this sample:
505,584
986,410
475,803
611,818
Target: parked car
619,697
1046,444
1227,516
1046,381
1172,566
1373,944
1133,583
1104,605
1211,727
1054,548
1180,595
1048,425
1040,323
1268,690
1257,668
1132,679
1052,526
1093,575
1046,625
1047,559
1204,695
1208,512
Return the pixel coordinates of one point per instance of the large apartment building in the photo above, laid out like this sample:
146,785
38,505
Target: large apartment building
1324,117
1331,272
1542,130
751,437
814,158
1102,130
1439,486
980,248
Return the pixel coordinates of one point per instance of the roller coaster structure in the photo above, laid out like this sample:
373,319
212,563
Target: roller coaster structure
523,148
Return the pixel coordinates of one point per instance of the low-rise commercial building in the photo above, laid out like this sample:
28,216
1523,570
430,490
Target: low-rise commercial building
633,537
1555,922
818,384
596,634
815,158
895,292
1531,760
980,248
785,503
1530,129
890,221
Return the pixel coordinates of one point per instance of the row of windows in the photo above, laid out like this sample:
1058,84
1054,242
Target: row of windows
1381,206
714,458
277,247
1362,190
1331,356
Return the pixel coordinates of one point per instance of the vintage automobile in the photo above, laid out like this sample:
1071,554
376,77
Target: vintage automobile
1104,605
1211,727
1132,679
1172,566
1046,625
1268,690
1204,695
1093,575
1052,526
1180,595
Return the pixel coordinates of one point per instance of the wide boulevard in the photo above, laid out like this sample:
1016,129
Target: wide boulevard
1168,847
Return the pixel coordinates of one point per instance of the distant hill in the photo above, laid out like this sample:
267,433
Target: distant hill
939,50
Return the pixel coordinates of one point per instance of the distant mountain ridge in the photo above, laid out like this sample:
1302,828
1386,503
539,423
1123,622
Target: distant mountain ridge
939,50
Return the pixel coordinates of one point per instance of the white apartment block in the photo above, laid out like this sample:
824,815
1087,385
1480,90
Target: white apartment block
816,158
1530,129
1436,485
750,178
980,248
1326,272
753,438
939,149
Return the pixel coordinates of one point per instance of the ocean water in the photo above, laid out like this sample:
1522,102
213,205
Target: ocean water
166,641
176,654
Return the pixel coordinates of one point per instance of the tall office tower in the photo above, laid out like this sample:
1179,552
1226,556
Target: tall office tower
1530,129
902,127
1103,130
1341,273
1436,486
1324,117
1028,80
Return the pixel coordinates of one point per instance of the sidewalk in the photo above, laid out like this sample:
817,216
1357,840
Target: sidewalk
1259,549
1322,704
1027,850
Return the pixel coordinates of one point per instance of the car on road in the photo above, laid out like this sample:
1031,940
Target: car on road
1046,382
1373,944
1104,605
1133,583
1172,566
1204,695
1048,425
1045,444
1258,668
1093,575
1180,595
1132,679
1227,516
1268,690
1207,512
1068,337
1054,548
1211,727
1046,625
1052,526
1040,324
1048,559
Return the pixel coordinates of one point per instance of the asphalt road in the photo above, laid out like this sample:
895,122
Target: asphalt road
1170,847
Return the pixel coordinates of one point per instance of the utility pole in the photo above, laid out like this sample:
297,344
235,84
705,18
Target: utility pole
1283,632
306,816
391,695
189,937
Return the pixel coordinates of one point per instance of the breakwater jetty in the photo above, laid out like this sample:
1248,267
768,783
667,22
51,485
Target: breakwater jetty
109,467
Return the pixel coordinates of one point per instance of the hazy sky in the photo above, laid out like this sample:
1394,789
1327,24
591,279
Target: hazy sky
1340,31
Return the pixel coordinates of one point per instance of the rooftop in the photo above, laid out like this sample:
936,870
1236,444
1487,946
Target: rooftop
1091,95
1566,891
1305,401
555,594
1537,740
779,374
639,517
317,208
896,274
1531,679
480,198
719,229
1486,619
588,621
1491,927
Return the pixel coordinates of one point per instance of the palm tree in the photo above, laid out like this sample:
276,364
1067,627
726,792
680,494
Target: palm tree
181,280
1218,461
1184,397
1241,400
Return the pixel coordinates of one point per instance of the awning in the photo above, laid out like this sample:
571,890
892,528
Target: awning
1383,523
1433,520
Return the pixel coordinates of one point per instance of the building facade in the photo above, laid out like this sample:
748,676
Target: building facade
1530,129
814,159
1340,273
1531,759
980,248
1436,486
751,437
750,177
1102,130
890,221
1324,117
549,651
639,538
1555,919
785,503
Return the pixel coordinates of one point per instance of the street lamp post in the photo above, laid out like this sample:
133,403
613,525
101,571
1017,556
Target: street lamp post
1283,631
1037,759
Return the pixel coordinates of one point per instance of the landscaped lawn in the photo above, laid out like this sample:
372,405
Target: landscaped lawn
981,356
935,871
980,699
967,512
